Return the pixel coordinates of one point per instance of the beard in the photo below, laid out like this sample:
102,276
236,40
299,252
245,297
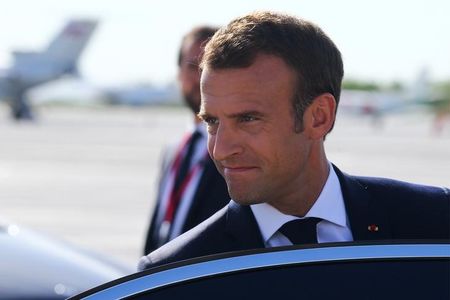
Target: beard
192,101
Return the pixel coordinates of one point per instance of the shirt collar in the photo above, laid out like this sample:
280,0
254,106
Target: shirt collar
269,219
329,206
330,203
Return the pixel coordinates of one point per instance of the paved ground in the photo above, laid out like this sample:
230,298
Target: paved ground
88,175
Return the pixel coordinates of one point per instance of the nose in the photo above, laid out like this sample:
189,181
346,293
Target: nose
225,143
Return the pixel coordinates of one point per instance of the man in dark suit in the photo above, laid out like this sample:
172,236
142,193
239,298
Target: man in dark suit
270,88
190,188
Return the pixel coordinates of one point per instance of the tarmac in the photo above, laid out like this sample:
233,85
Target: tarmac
88,175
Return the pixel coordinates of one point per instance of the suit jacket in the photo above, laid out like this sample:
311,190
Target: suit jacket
400,210
210,196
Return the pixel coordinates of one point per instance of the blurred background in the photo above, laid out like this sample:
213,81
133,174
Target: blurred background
82,124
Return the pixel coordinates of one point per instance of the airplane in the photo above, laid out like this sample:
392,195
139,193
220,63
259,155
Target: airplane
31,69
419,95
143,94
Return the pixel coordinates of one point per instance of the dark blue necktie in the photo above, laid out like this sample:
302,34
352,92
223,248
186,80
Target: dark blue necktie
301,231
186,162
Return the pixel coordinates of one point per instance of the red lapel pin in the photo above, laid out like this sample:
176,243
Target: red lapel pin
373,228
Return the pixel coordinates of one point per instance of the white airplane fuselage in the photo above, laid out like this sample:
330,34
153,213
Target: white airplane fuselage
30,69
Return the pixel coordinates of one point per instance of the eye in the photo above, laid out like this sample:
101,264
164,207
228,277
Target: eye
247,118
192,67
210,121
211,124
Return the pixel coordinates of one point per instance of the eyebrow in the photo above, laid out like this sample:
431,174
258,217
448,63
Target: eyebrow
246,113
204,115
192,62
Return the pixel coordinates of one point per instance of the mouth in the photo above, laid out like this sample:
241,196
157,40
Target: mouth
237,170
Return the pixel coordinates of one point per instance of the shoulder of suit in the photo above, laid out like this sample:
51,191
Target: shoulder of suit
203,239
394,187
396,194
391,187
407,200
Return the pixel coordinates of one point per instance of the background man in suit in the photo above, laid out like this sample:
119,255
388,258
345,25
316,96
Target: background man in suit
270,88
190,188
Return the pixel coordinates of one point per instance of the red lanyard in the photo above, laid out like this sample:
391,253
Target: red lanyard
179,156
176,195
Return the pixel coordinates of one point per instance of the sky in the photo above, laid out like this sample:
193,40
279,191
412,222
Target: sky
137,40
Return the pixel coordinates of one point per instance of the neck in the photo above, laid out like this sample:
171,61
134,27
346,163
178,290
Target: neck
310,185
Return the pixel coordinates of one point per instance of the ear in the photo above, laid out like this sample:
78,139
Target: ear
320,115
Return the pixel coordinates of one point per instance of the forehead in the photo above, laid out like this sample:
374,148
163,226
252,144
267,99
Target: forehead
267,81
191,50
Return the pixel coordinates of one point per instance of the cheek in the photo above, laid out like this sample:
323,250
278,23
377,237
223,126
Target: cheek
192,77
185,85
281,150
296,154
185,79
262,148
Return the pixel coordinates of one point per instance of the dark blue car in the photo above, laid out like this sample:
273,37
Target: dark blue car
400,270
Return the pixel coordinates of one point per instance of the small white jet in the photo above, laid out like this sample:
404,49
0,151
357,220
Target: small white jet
30,69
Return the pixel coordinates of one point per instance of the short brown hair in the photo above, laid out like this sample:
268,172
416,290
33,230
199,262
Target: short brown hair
199,34
301,44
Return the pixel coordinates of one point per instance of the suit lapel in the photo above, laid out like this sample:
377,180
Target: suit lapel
368,221
241,225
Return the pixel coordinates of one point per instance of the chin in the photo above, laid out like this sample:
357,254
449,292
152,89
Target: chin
244,198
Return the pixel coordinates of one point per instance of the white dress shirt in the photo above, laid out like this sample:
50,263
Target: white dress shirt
329,207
